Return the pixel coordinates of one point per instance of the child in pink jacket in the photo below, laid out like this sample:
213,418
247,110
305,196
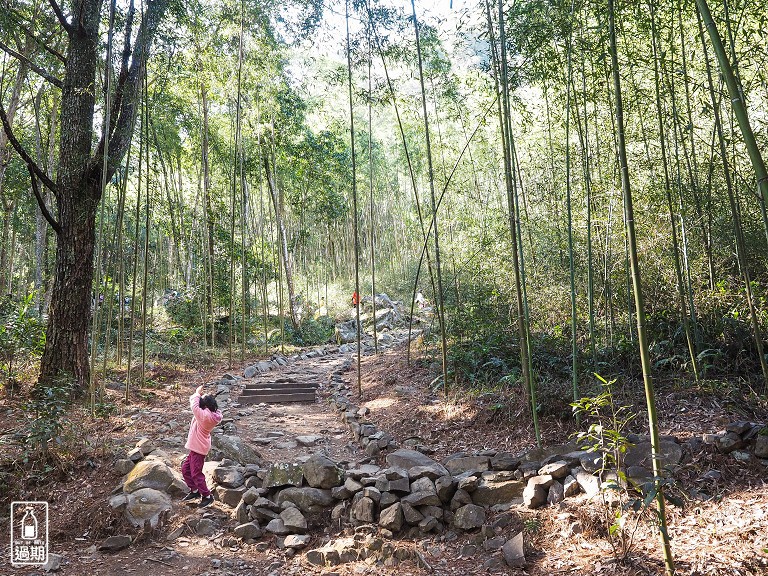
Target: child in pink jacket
205,417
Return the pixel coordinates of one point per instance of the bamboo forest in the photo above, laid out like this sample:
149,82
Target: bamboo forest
386,287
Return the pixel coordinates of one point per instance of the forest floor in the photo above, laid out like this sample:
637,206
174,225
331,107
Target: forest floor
722,528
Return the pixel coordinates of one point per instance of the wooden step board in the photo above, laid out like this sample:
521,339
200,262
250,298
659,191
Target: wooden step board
277,393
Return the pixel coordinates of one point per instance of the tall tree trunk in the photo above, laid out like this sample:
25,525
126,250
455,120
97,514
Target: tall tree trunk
78,187
283,240
681,287
740,110
356,300
439,301
638,294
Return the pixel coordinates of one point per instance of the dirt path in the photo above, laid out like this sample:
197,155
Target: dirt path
401,403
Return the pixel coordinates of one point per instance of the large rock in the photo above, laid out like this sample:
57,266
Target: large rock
761,446
558,470
228,476
445,486
392,518
307,499
469,517
729,442
514,554
322,472
422,499
640,455
151,474
459,464
248,531
535,493
410,514
505,461
297,541
284,474
229,496
115,543
412,459
294,520
277,526
556,493
363,510
235,448
588,483
492,493
423,484
146,505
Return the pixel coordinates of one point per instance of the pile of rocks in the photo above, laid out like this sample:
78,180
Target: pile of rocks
413,494
741,439
144,495
278,360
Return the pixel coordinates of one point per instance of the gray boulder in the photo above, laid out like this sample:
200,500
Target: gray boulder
588,483
124,465
557,470
151,474
294,520
235,448
229,496
392,518
276,526
469,517
115,543
322,472
514,553
205,527
491,493
416,463
504,461
458,464
297,541
640,455
422,499
284,474
146,505
556,493
307,499
445,486
248,531
535,493
363,510
228,476
761,446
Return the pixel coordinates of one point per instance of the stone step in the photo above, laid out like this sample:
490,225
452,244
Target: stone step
273,398
276,386
273,392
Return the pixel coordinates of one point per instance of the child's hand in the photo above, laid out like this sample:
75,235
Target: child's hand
199,390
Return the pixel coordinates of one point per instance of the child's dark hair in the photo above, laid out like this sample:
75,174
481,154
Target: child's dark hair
209,402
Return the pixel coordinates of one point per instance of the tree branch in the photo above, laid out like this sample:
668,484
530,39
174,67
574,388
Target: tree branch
126,94
43,208
62,19
34,67
33,167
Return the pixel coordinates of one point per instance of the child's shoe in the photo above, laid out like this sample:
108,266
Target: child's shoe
191,496
206,501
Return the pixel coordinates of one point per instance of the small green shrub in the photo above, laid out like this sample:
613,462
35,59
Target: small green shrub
22,335
48,421
311,332
184,310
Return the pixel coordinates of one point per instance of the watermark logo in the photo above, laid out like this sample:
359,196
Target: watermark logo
29,533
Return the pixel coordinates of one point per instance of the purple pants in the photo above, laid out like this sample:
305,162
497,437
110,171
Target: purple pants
192,470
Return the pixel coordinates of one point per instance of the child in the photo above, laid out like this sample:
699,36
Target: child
205,416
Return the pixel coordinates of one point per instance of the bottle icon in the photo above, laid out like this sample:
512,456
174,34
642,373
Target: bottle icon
29,525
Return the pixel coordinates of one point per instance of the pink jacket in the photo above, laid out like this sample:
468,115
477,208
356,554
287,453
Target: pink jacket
203,421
